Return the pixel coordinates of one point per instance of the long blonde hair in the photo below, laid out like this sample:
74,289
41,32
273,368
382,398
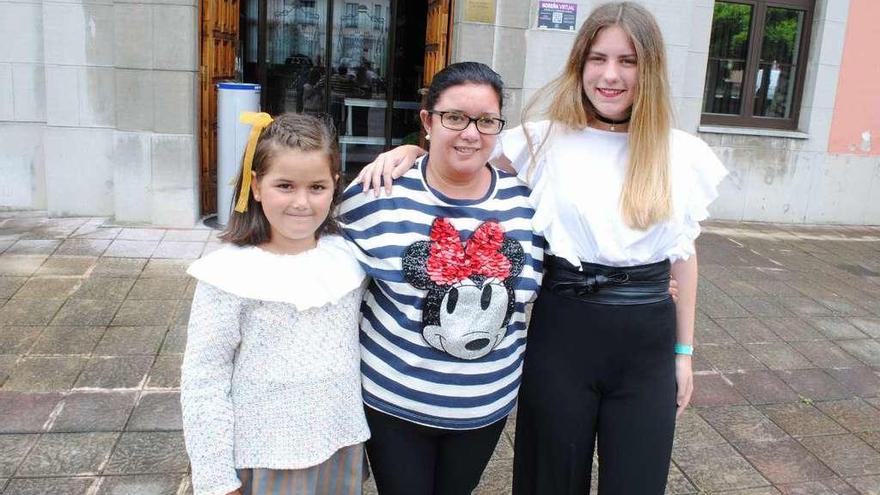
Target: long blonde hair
646,196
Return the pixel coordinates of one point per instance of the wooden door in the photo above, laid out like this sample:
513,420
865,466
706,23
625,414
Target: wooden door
219,42
437,37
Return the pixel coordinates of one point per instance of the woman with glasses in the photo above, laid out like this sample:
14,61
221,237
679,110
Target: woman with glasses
453,260
619,195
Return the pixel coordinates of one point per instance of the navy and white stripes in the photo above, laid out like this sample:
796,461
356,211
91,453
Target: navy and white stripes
403,374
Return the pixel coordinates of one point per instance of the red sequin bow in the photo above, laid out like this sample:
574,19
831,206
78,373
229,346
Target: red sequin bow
450,262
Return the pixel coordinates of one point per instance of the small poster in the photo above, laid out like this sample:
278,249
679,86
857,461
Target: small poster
479,11
557,15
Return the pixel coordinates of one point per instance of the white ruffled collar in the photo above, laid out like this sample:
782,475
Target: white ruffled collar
307,280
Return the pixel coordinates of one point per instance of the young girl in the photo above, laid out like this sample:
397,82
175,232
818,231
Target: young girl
270,383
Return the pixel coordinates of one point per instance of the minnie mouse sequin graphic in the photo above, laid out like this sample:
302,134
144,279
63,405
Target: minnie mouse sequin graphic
470,286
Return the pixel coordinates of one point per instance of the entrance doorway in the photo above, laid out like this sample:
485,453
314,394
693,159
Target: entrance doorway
348,60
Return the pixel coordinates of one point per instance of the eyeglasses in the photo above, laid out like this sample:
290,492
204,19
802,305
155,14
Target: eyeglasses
457,121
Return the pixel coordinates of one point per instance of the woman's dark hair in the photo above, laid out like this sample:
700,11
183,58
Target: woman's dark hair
463,73
289,131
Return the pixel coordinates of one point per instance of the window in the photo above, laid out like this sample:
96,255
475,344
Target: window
757,57
351,15
378,20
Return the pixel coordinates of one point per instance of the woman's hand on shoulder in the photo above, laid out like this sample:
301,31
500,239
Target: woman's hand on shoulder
387,167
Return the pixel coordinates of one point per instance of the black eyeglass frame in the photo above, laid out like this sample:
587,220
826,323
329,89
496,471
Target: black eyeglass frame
471,120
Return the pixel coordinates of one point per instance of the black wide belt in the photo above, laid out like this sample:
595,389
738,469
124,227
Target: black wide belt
617,285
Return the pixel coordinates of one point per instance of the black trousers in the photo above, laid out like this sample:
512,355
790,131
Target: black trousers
596,373
410,459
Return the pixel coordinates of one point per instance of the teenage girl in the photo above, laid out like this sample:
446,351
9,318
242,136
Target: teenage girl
270,385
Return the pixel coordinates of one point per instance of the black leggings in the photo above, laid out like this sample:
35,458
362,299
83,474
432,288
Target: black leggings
411,459
596,371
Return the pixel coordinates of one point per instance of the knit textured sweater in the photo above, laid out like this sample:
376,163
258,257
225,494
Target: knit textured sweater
271,374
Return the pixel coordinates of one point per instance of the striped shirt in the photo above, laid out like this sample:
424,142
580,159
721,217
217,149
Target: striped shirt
443,320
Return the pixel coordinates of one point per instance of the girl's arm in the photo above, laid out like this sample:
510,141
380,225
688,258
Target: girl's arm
685,273
213,336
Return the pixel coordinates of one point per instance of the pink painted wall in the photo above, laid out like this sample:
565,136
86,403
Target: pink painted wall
857,104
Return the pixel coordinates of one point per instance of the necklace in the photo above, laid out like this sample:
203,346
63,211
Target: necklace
611,122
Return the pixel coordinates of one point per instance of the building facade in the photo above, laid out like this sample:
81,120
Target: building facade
100,100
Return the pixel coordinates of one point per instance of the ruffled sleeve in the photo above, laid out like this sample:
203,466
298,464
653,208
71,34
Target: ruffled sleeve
514,146
705,173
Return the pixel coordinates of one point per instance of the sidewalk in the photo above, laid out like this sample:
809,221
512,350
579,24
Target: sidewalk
93,325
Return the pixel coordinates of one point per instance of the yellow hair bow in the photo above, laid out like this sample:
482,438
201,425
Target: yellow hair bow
258,121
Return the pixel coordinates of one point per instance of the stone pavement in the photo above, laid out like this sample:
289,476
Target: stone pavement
92,330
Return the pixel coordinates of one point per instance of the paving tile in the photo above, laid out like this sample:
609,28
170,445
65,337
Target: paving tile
18,339
26,412
175,340
866,350
742,424
47,287
179,250
784,461
497,478
33,247
7,364
67,265
866,485
793,329
182,312
166,371
802,305
191,235
58,454
44,374
118,267
29,311
836,328
144,312
83,247
87,312
763,306
729,357
210,247
135,234
104,288
692,430
832,486
846,454
714,390
159,288
872,438
747,330
166,268
97,233
67,340
825,354
716,467
13,448
4,244
131,249
20,265
861,381
676,482
761,387
778,356
118,341
764,490
814,384
94,411
55,486
799,419
855,415
869,326
149,452
115,372
10,285
157,411
717,304
145,484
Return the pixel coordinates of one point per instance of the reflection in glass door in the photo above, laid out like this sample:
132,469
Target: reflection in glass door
352,69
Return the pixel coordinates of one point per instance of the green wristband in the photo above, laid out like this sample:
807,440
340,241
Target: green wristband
687,350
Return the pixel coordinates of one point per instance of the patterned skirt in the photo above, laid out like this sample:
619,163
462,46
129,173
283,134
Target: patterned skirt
342,474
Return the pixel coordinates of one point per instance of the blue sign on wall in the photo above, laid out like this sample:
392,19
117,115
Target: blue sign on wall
557,15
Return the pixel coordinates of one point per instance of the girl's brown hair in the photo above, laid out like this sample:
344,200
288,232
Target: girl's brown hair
289,131
646,196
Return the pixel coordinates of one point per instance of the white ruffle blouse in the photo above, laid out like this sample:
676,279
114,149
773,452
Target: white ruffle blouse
576,186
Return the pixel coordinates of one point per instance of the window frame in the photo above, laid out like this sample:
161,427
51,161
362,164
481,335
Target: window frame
753,56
